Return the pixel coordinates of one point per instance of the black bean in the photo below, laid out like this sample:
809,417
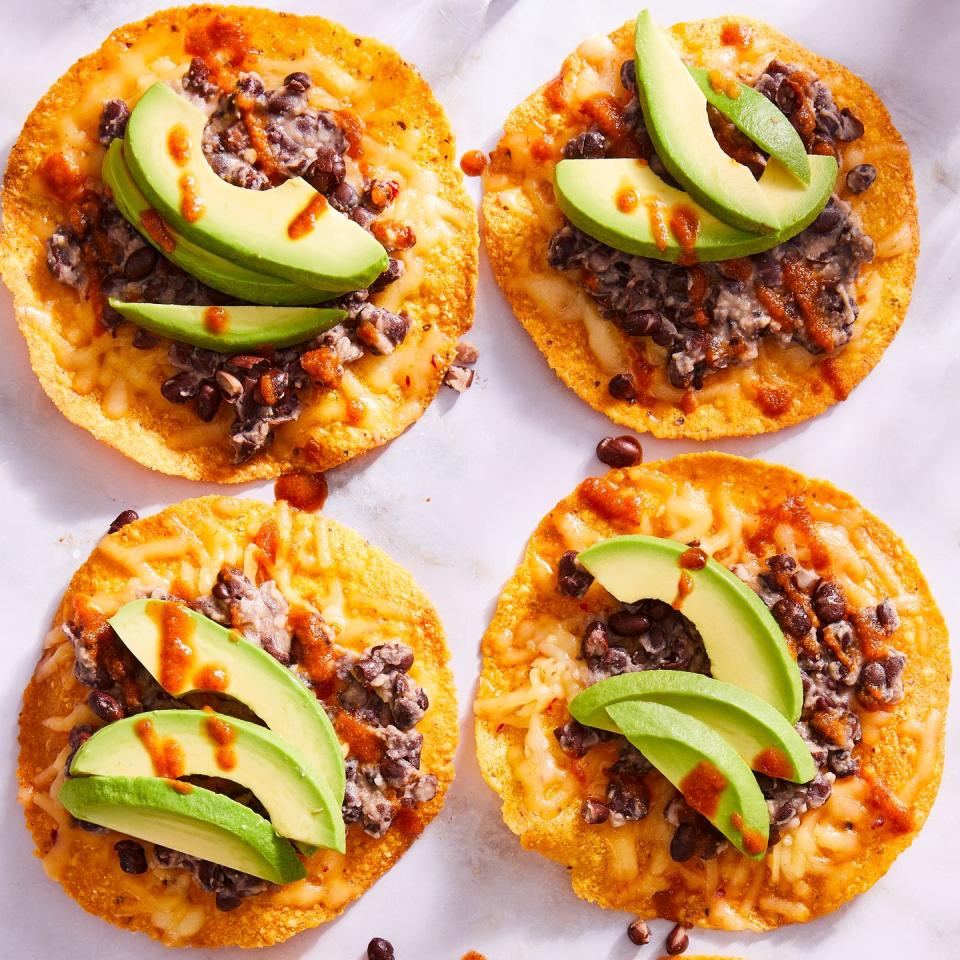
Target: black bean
122,519
829,603
640,323
628,75
180,388
576,740
792,617
298,81
380,949
113,121
594,811
144,339
208,402
572,579
781,563
107,708
628,623
638,932
131,855
591,145
615,661
831,216
140,263
684,842
344,198
596,640
887,616
623,387
619,452
228,900
860,177
677,940
850,126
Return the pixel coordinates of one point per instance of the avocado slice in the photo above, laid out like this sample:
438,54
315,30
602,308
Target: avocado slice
759,734
208,268
289,231
224,661
176,743
230,329
589,191
703,767
754,115
674,108
745,645
199,822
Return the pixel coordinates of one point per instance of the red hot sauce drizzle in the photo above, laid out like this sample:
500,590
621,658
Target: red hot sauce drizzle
176,655
773,762
211,677
166,754
701,788
735,34
192,206
224,737
693,558
658,223
159,232
627,200
685,226
306,220
753,841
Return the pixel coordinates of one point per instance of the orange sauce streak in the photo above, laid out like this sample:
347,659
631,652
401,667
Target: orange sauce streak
366,745
315,652
178,144
604,495
473,955
793,512
473,163
753,841
836,378
736,35
688,402
178,786
702,786
305,491
224,736
355,410
157,227
212,677
166,754
253,122
410,824
699,288
873,641
353,129
684,589
685,226
627,200
773,762
62,177
802,283
306,220
191,206
176,655
224,46
541,149
267,539
555,94
774,303
658,223
216,319
891,809
725,83
606,113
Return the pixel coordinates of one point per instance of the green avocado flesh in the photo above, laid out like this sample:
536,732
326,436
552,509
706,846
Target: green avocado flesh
674,108
208,268
223,659
588,193
754,115
199,823
289,231
301,805
745,645
244,327
759,734
703,767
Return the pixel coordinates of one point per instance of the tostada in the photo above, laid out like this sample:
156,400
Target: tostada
242,716
238,243
708,231
715,689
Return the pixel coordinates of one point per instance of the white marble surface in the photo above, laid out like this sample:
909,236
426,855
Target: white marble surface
455,497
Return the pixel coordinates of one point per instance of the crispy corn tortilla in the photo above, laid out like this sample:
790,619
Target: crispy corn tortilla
585,351
408,139
320,565
530,673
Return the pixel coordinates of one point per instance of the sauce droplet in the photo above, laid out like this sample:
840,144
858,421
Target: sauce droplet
658,223
628,201
216,319
305,491
685,226
684,589
176,655
473,163
191,206
306,220
753,841
166,754
773,762
213,677
702,786
736,35
159,232
725,83
693,558
178,144
224,737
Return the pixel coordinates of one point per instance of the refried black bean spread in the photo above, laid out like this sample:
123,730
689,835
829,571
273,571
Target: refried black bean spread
99,254
374,703
840,668
714,315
